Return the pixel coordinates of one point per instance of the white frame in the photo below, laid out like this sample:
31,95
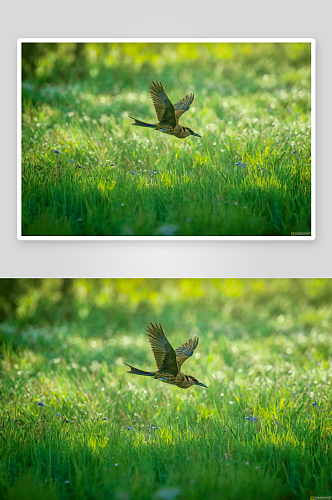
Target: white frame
312,41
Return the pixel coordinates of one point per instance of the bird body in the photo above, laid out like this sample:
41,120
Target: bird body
168,360
167,113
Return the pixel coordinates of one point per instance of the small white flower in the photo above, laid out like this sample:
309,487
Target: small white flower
116,465
122,204
236,203
247,463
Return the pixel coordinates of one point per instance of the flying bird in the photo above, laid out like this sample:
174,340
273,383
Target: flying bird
168,361
168,114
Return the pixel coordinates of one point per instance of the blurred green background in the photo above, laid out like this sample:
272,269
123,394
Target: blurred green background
89,323
250,174
98,81
111,68
107,308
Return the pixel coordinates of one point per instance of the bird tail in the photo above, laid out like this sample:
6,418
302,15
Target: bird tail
136,371
142,124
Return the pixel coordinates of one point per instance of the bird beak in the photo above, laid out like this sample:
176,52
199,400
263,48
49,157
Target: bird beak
199,383
196,135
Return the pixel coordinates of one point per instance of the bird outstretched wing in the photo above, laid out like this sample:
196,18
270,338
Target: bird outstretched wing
163,352
163,106
185,351
182,106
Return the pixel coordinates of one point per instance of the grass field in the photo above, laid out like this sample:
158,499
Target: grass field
262,429
87,172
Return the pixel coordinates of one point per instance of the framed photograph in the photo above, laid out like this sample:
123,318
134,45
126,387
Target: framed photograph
166,139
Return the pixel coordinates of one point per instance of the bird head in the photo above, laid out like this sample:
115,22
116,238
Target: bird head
188,131
194,381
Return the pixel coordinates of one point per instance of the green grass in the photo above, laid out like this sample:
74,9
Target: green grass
252,106
265,350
